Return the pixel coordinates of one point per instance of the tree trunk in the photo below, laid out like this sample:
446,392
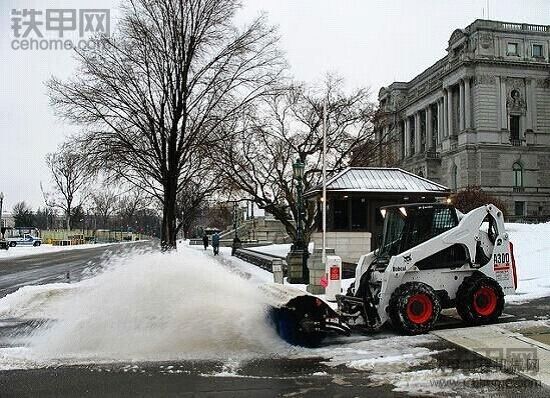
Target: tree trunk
69,220
168,228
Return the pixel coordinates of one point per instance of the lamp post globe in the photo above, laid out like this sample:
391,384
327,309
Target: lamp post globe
298,169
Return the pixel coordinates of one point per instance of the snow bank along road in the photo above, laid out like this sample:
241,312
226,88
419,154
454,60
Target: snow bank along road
145,323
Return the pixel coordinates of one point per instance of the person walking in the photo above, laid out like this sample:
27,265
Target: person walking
205,241
216,243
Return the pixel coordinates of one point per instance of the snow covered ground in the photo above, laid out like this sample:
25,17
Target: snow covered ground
21,251
532,254
280,250
275,250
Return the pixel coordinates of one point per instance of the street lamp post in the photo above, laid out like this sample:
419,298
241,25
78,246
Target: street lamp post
236,241
298,170
297,258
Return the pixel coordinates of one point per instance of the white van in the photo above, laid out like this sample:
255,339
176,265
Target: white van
25,240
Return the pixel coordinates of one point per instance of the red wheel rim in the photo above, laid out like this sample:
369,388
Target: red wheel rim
419,308
485,301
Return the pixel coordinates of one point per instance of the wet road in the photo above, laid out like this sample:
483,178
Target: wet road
282,377
57,266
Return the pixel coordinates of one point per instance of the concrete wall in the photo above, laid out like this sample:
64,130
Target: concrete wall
348,245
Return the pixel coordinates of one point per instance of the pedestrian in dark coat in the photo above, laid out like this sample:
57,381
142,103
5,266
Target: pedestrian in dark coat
205,241
216,243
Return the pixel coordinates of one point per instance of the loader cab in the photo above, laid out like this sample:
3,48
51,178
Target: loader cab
406,226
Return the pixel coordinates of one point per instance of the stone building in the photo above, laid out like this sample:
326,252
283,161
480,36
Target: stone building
478,116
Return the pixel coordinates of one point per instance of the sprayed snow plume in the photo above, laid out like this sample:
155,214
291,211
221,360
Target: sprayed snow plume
146,307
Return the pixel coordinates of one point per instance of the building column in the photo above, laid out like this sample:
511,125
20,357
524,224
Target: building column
383,139
429,131
417,138
499,102
529,103
503,110
533,109
444,108
461,106
449,112
407,136
439,120
467,103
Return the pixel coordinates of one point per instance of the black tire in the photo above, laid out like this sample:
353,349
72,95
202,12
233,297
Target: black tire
37,243
13,244
479,300
414,308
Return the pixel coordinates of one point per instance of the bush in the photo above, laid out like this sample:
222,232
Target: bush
473,197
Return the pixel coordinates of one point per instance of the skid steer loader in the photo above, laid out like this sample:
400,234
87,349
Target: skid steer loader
431,257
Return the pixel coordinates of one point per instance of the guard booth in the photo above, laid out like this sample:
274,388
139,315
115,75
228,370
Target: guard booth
354,199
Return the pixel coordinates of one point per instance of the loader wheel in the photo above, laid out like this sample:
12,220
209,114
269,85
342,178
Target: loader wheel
414,308
479,300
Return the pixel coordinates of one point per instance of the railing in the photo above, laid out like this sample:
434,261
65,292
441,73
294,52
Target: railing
431,154
262,260
527,219
508,188
514,26
515,142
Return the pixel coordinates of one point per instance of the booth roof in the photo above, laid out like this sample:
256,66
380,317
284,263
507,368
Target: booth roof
380,180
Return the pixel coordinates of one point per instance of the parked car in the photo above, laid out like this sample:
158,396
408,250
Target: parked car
25,240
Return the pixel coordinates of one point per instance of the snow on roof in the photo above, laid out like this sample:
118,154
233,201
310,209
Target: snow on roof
379,179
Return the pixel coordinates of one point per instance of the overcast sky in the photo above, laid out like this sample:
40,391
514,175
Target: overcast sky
368,42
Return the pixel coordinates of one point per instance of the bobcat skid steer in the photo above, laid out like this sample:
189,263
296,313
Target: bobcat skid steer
431,257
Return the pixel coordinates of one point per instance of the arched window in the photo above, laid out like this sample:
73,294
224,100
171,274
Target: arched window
454,177
518,175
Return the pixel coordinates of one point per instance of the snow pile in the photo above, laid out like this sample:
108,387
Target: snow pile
437,381
275,250
146,307
532,254
383,353
35,301
22,251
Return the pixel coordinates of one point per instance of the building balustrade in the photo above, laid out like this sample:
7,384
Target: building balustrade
511,188
432,154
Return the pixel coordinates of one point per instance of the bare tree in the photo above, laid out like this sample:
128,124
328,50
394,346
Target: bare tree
104,203
289,128
199,183
130,204
157,94
382,149
69,179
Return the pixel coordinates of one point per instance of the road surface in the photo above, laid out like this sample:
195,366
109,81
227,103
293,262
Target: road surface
305,377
